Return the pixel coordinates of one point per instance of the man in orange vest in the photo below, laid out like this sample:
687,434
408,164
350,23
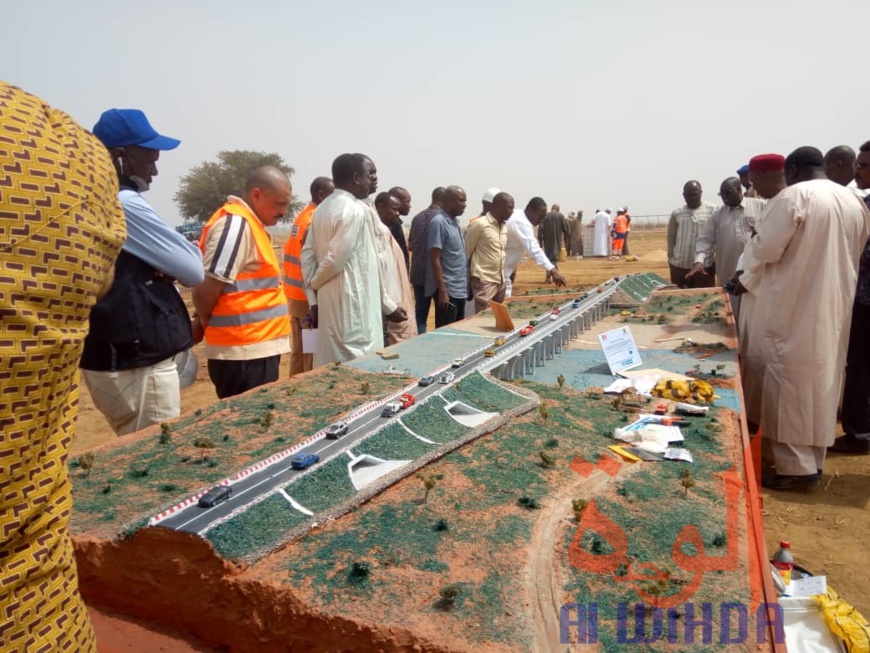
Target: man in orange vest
321,188
620,228
241,304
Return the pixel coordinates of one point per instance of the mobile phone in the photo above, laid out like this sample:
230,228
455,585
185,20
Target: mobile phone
451,309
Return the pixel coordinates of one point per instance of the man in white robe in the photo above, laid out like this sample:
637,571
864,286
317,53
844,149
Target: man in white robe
340,268
803,267
767,172
393,270
602,223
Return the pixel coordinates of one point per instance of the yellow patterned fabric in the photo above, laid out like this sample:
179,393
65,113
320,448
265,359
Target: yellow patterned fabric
61,228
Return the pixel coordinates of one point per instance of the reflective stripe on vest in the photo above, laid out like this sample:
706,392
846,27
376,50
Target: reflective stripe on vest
253,308
252,284
247,318
293,286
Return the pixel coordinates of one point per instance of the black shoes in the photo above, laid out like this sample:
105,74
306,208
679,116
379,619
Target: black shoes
849,444
784,482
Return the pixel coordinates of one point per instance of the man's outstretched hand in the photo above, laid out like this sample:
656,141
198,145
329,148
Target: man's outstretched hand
399,315
557,277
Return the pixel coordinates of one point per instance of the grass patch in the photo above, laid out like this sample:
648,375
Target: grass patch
431,421
393,443
324,486
258,529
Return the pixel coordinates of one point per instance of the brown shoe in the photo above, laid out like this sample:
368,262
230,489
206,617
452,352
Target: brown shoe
785,482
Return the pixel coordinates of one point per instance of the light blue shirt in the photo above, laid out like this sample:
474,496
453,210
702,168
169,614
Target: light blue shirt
159,245
444,234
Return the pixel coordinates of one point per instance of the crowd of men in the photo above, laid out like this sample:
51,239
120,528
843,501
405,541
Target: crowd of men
790,245
349,272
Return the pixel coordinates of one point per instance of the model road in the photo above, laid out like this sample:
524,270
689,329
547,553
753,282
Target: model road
198,520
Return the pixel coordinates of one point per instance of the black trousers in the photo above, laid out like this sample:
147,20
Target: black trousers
443,318
232,378
625,244
856,392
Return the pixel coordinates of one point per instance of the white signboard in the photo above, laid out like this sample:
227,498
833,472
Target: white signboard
619,350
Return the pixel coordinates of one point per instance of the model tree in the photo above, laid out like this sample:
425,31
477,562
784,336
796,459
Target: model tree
544,411
429,483
560,380
548,459
687,481
203,444
86,462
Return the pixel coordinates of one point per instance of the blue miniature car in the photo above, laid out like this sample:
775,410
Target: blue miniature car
426,380
304,460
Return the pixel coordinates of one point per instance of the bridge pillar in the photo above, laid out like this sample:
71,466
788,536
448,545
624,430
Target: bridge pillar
539,354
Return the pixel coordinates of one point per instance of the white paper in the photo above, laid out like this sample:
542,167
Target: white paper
310,340
807,586
619,350
674,453
643,384
649,437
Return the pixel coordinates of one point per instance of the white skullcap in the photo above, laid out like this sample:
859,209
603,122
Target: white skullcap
490,194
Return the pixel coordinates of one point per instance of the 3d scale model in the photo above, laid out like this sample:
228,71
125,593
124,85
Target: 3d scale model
484,501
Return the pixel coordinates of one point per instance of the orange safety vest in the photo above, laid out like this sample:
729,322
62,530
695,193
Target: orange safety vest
293,285
253,308
620,224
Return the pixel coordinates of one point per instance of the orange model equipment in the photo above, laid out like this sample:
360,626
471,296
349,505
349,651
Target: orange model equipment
293,285
253,308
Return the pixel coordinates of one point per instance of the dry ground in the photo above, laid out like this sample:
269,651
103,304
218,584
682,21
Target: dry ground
828,528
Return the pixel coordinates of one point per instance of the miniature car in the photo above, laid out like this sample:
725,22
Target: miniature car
217,494
489,353
426,380
583,296
499,342
336,430
304,460
526,331
533,323
391,409
575,303
407,400
555,310
447,377
458,362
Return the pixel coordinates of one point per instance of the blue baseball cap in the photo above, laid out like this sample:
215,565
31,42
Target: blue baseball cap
743,170
123,127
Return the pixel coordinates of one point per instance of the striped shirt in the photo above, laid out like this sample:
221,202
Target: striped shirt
683,229
229,251
418,246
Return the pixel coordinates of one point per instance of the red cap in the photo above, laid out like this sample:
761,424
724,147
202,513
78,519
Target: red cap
784,545
767,163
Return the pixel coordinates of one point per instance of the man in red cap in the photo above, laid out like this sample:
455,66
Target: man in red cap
802,265
767,176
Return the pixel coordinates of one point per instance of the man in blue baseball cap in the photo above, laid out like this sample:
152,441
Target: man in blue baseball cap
141,324
743,174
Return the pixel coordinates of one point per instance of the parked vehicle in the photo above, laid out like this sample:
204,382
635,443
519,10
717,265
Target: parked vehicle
533,323
407,400
217,494
499,342
426,380
447,377
458,362
304,460
526,331
489,353
575,303
391,409
336,430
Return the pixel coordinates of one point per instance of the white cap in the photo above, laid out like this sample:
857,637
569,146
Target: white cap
490,194
609,210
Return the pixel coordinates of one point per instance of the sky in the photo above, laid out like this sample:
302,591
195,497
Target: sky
586,104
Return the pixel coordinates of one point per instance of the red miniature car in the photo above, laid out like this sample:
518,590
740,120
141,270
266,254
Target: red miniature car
407,400
526,331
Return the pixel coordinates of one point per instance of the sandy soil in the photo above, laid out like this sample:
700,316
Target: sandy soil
828,528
